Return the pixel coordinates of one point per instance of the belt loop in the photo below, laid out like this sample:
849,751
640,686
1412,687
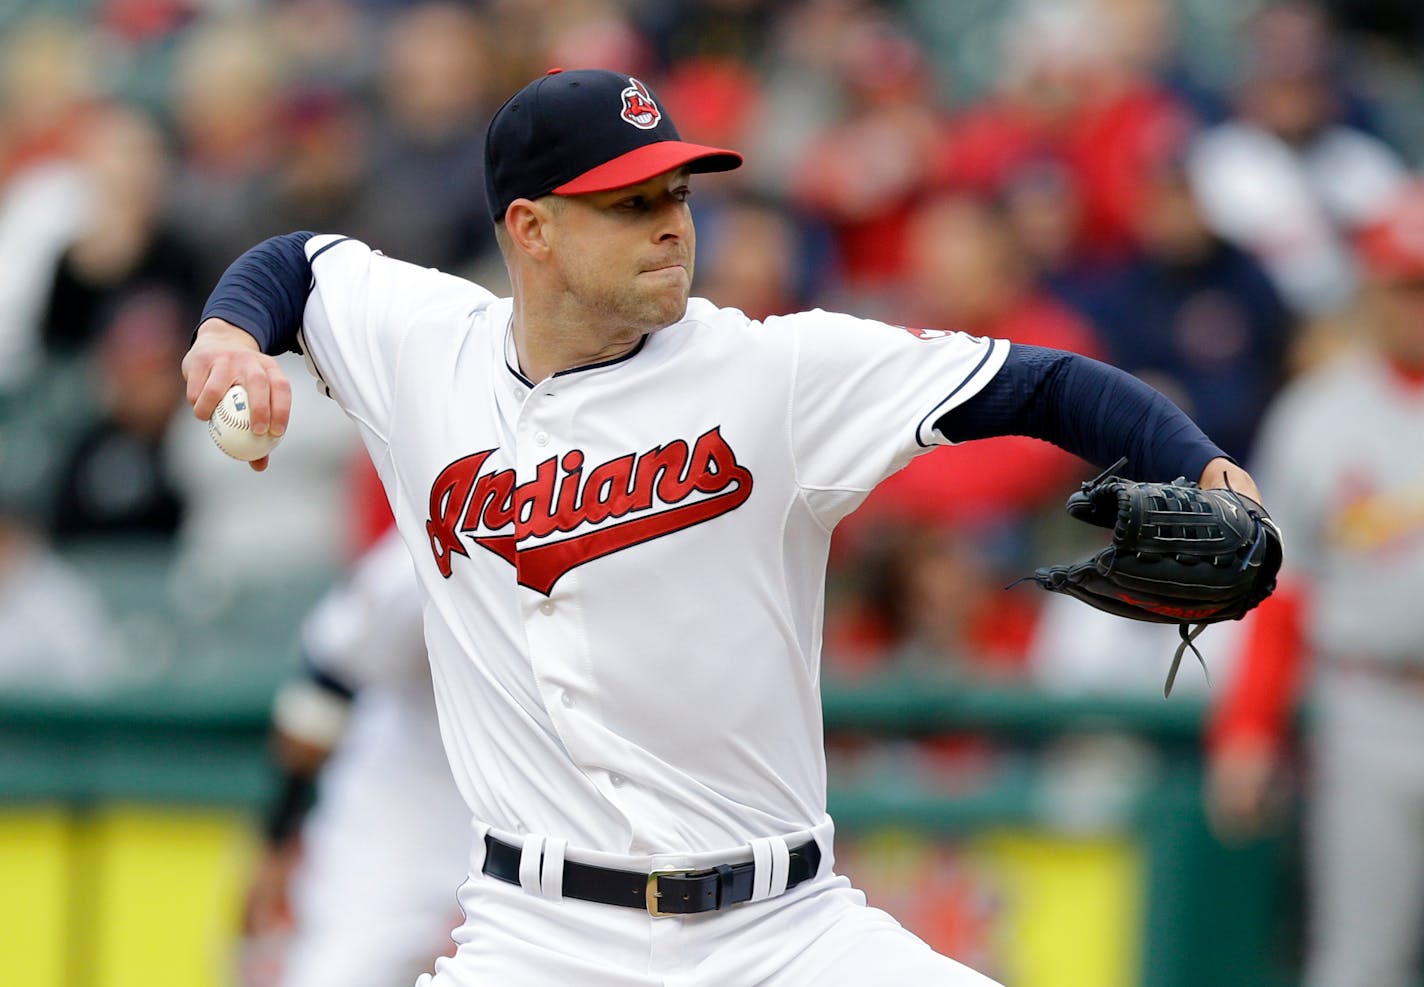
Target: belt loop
724,884
780,866
551,879
530,861
764,851
761,868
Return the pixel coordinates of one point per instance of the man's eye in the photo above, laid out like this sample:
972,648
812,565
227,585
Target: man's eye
682,194
635,202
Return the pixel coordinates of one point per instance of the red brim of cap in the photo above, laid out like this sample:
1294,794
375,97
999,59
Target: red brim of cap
648,161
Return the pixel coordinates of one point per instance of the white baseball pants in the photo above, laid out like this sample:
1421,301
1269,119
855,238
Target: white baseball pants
1365,833
820,933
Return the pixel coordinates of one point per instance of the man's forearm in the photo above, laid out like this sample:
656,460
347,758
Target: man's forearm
265,292
1091,409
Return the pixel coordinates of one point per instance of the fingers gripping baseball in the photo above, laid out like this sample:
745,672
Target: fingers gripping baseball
223,355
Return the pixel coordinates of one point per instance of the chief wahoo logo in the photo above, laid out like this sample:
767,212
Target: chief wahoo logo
638,106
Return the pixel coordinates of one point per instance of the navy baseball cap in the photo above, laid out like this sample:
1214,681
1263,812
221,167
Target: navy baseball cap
587,130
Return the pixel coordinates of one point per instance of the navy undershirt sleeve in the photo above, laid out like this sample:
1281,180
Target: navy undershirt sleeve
265,292
1091,409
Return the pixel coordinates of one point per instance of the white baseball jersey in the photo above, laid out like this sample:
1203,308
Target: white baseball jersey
625,562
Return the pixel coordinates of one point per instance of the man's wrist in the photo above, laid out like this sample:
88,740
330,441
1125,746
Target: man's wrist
1222,472
216,329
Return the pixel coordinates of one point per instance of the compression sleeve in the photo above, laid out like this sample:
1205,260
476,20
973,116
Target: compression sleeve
265,291
1091,409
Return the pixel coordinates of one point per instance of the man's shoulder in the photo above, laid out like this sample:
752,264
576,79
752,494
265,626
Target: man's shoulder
347,260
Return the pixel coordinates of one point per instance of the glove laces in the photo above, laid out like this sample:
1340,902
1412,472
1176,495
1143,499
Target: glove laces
1189,637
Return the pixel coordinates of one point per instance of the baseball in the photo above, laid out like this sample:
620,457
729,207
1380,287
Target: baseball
230,428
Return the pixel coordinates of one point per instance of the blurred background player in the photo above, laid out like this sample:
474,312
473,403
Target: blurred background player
365,885
1338,458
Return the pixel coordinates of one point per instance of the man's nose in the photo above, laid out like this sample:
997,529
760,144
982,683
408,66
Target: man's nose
676,222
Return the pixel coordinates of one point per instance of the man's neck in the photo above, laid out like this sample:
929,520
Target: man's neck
546,347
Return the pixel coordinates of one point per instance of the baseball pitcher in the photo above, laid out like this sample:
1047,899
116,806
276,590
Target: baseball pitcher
620,499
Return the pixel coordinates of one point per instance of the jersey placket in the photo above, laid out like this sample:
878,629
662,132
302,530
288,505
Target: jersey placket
559,656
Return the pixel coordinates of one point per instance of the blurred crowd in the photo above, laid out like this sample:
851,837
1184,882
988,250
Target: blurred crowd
1175,188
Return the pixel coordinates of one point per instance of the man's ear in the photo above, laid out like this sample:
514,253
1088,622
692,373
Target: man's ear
528,223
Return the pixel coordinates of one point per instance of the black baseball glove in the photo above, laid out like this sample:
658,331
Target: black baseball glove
1179,555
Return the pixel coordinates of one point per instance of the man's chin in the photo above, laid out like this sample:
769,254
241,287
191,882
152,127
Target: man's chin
666,311
654,325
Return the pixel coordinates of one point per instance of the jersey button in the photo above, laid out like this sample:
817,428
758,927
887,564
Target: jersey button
547,607
616,781
566,699
541,438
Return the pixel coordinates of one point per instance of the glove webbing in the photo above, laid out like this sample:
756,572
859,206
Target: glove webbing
1189,636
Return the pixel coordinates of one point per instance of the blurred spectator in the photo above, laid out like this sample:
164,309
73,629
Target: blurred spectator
590,34
47,87
114,482
225,103
424,196
1196,317
936,603
333,43
865,174
801,90
1044,209
537,35
321,179
1070,94
682,30
967,272
54,631
1145,36
124,245
1336,466
1285,179
47,92
754,254
41,211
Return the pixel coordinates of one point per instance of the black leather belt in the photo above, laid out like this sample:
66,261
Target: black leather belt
663,892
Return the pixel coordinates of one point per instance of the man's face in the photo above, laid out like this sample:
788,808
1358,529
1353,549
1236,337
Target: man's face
626,255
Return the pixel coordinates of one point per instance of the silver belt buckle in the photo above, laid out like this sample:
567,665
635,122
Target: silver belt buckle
652,894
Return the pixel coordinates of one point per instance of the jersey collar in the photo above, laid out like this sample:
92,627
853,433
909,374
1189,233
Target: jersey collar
511,355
